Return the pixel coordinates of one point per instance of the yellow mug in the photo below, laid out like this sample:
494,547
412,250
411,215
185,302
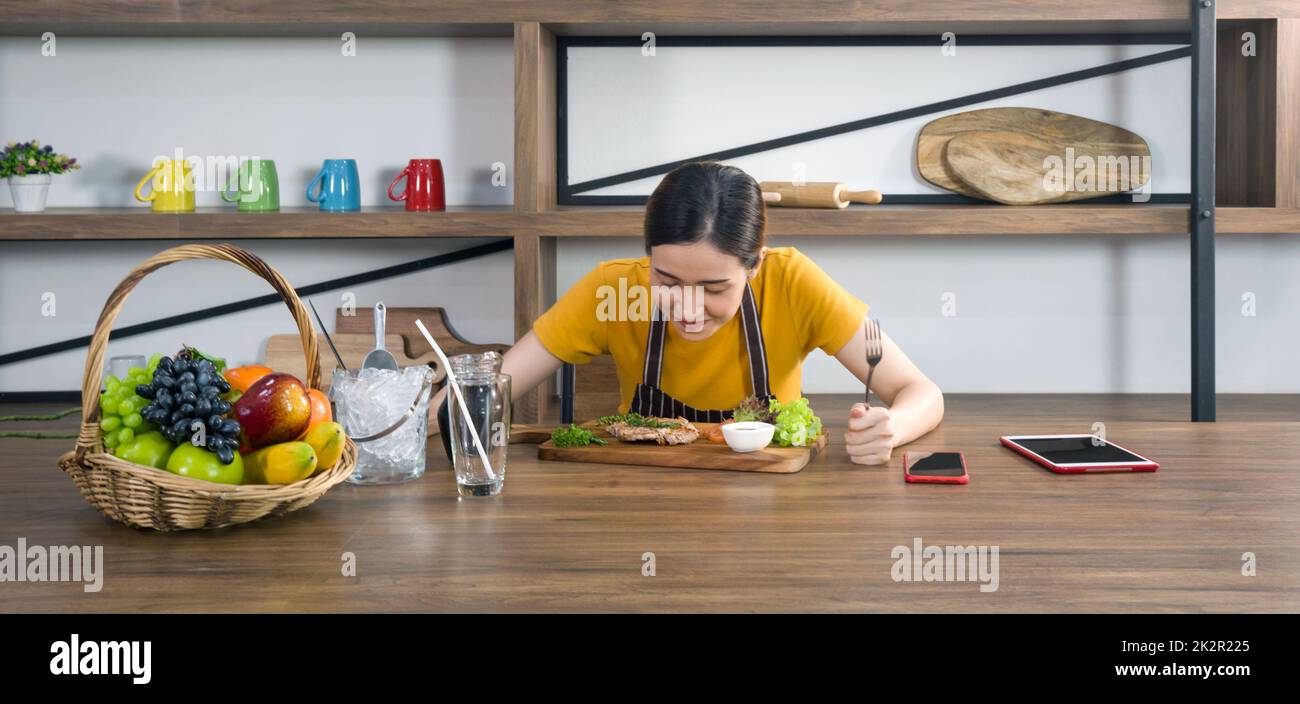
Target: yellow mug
173,188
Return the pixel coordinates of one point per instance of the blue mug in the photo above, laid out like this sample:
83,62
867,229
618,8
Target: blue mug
340,186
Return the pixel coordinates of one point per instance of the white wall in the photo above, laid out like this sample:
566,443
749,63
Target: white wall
1033,314
115,103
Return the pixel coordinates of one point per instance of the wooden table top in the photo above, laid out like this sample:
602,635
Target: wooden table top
571,537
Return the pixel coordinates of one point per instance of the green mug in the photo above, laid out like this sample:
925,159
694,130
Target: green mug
258,187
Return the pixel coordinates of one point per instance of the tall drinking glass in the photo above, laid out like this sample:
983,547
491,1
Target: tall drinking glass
487,398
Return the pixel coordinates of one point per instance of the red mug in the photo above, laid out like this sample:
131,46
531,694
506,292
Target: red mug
425,189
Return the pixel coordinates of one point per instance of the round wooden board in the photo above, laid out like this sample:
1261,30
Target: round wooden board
1055,128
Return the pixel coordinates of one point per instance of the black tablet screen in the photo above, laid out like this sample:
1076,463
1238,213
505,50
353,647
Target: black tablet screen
1080,450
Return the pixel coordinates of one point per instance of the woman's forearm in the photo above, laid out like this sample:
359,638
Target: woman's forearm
916,410
915,403
528,363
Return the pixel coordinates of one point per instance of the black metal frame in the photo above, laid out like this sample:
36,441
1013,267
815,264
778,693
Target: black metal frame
1201,199
1201,212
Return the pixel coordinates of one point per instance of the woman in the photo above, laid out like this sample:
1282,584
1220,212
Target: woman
743,317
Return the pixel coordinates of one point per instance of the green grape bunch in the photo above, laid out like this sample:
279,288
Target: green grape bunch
119,408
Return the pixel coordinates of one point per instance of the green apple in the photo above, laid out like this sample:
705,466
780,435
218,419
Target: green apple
199,463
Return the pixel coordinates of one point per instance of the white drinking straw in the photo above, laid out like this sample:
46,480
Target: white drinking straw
455,388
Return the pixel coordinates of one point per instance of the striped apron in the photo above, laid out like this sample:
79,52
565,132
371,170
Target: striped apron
649,400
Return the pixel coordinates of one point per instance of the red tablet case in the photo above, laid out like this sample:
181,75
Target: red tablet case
1148,466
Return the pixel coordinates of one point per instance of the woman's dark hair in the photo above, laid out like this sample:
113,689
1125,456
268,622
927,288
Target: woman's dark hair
708,200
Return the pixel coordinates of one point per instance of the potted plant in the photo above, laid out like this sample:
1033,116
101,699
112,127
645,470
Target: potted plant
28,167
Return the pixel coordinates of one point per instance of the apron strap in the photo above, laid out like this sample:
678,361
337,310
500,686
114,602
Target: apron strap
755,349
754,344
654,349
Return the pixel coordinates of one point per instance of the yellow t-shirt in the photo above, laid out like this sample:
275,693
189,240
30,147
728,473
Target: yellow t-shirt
800,309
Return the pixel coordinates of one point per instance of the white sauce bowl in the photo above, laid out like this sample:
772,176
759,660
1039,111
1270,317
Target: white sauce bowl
749,436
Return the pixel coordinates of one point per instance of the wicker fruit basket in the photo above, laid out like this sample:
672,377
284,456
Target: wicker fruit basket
146,497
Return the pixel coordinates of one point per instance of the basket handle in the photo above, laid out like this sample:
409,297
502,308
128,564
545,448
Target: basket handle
88,439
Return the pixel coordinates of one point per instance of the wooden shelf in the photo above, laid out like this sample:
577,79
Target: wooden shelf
887,220
492,18
229,224
893,17
594,17
1257,9
272,27
947,220
626,221
1263,221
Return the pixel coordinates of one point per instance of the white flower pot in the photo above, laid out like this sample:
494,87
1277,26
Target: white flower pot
29,192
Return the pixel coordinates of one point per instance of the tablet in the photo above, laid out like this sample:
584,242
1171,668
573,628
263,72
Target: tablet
1078,453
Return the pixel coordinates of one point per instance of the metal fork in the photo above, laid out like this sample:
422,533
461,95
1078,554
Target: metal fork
875,350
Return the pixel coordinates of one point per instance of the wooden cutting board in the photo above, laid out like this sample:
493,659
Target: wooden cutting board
402,322
700,454
1057,130
529,433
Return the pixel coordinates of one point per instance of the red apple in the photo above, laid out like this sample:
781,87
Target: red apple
276,408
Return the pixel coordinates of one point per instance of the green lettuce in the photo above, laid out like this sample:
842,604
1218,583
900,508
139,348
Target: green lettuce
796,426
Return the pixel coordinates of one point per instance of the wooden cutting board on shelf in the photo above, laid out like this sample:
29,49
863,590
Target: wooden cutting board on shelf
700,454
284,354
402,322
1047,131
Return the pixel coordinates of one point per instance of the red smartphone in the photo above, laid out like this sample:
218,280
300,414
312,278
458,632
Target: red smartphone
1076,454
935,468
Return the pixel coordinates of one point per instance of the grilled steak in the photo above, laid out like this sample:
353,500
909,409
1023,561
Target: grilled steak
681,433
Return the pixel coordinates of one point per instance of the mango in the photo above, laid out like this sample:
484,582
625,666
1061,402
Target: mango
283,463
327,439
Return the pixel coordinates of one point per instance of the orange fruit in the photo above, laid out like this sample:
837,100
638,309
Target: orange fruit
320,410
241,378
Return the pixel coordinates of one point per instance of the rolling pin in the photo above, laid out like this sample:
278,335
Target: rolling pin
788,194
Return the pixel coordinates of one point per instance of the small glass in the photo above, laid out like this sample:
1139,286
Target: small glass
487,398
368,402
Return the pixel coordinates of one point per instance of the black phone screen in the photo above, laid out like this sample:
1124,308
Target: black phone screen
936,464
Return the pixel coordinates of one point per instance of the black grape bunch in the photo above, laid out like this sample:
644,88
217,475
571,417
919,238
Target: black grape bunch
186,404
